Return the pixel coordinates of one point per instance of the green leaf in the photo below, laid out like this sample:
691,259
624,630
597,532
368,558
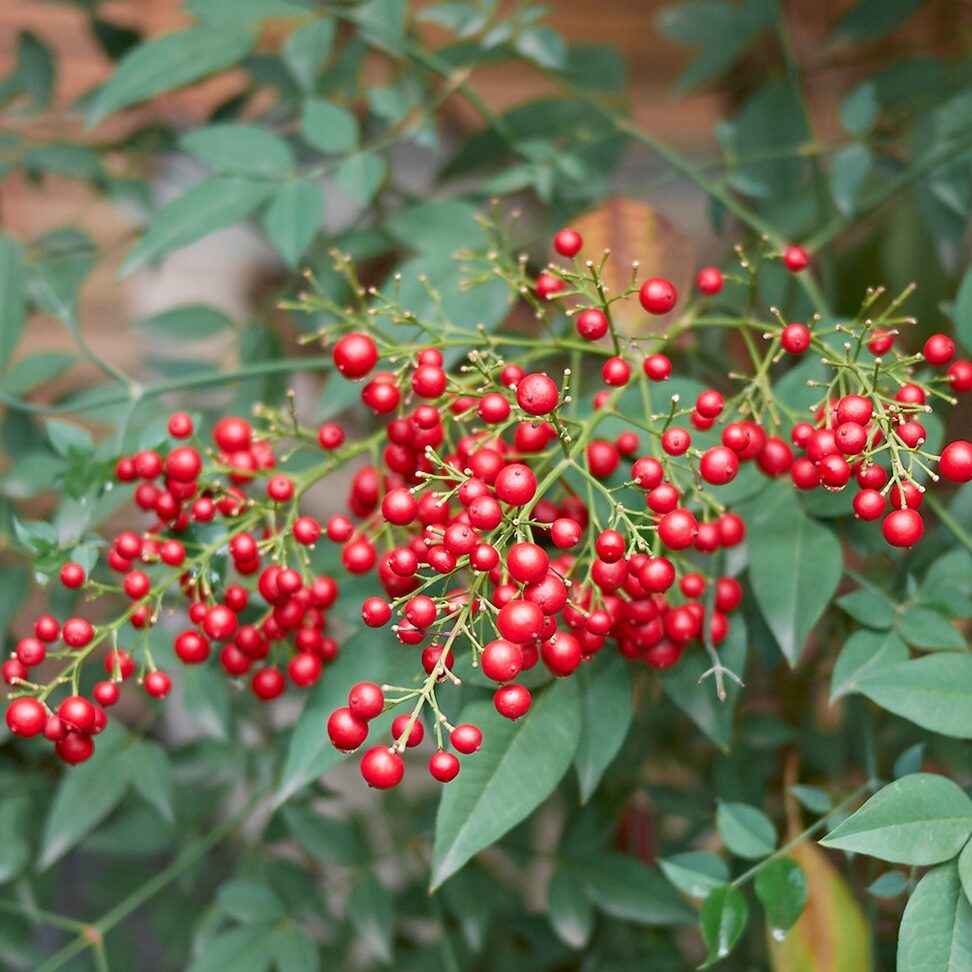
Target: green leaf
65,158
909,761
591,67
517,768
695,873
33,74
11,297
328,127
795,565
68,256
307,49
888,885
723,919
372,914
15,851
294,217
245,949
935,692
698,699
605,687
864,653
871,19
920,819
437,226
628,890
745,830
936,927
965,870
207,700
248,900
860,108
923,628
329,840
69,439
569,909
216,203
382,23
151,775
85,796
848,170
169,62
813,798
781,887
310,752
294,950
360,176
241,150
191,322
868,607
962,312
35,370
542,45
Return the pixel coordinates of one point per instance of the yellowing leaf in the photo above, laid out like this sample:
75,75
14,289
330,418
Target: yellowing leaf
832,934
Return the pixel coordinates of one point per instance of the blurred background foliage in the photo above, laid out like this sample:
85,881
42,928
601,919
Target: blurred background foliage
170,175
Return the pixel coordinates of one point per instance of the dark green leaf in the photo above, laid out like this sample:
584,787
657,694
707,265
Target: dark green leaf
68,256
875,18
888,885
868,607
628,890
169,62
372,913
65,158
848,170
294,217
191,322
35,370
245,949
69,439
437,226
383,23
151,775
795,565
360,176
595,68
859,109
294,950
11,297
695,873
241,150
934,691
248,900
909,761
207,701
865,653
723,921
214,204
568,907
328,127
745,830
963,311
542,45
307,49
698,699
781,887
517,768
813,798
920,819
924,628
15,851
605,687
329,840
936,927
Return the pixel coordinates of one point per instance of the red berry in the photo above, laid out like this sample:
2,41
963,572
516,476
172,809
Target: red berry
910,394
869,504
709,280
280,488
903,528
955,463
795,338
180,425
75,747
106,693
77,713
537,394
158,684
527,562
675,441
710,404
657,295
31,651
615,372
466,738
220,623
232,434
191,647
77,632
47,628
719,465
382,768
72,575
366,700
592,324
960,376
304,668
502,660
345,730
795,258
26,717
939,349
880,342
731,528
565,532
520,621
415,735
330,436
268,683
512,701
728,594
834,471
568,242
658,367
444,767
376,612
355,355
562,653
306,530
854,408
183,464
548,286
515,485
678,529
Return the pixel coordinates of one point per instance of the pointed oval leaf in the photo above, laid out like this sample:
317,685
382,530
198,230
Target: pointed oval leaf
11,297
723,921
307,49
781,887
328,127
863,653
745,830
517,768
965,869
605,688
568,907
920,819
372,913
936,927
243,150
695,873
294,217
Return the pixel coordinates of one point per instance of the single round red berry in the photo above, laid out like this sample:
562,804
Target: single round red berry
183,464
938,349
191,647
568,242
592,324
77,713
366,700
795,258
376,612
869,504
355,355
537,394
795,338
382,768
520,621
72,575
304,668
330,436
515,485
77,632
75,747
657,295
955,463
106,693
26,717
400,726
710,403
268,683
854,408
158,684
562,653
527,562
678,529
345,730
615,371
709,280
501,660
719,465
676,441
443,766
903,528
306,530
880,342
232,434
960,376
658,367
466,738
512,701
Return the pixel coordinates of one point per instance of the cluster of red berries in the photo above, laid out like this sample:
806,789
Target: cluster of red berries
471,522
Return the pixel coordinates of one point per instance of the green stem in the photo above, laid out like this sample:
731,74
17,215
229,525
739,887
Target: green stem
956,528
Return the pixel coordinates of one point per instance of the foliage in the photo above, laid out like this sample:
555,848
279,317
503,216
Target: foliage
216,833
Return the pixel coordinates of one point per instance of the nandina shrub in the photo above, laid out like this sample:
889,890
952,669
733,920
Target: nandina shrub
591,588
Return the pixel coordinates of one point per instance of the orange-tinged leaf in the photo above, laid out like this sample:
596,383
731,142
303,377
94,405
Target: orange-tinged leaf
832,934
634,231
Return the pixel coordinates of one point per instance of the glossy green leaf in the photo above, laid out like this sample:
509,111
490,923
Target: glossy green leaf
328,127
169,62
517,768
781,887
190,322
924,628
241,150
245,949
85,796
795,565
247,900
936,927
723,920
568,907
698,699
605,686
888,885
294,217
214,204
920,819
629,890
865,653
360,176
372,913
695,873
745,830
868,607
965,870
935,692
307,49
11,297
